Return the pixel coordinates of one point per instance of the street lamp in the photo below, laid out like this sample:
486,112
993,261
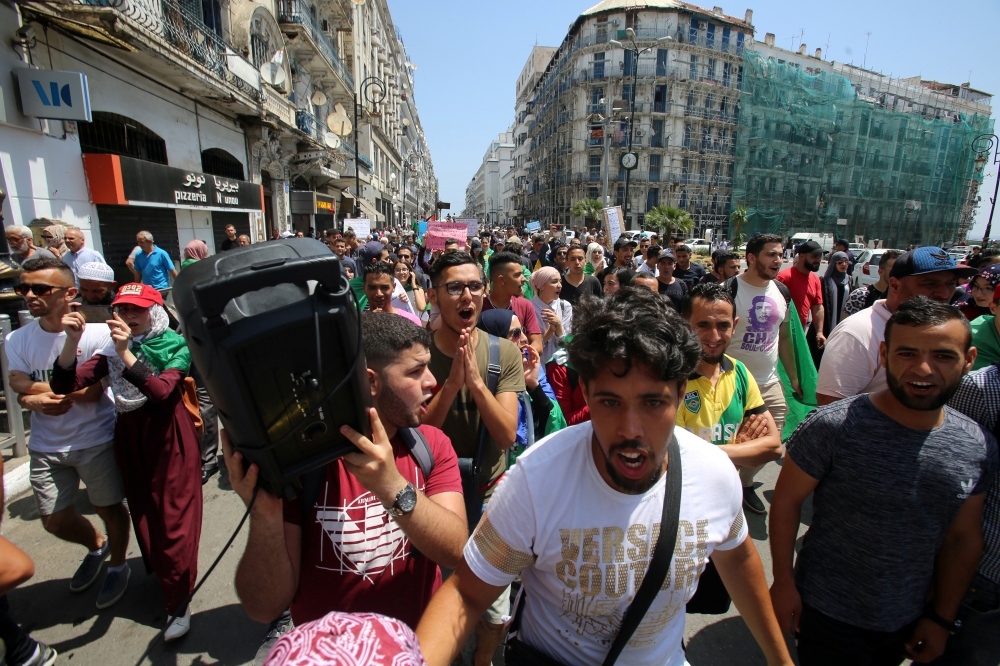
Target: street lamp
983,144
412,161
630,160
373,91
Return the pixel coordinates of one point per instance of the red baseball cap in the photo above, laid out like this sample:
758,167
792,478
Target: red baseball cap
134,293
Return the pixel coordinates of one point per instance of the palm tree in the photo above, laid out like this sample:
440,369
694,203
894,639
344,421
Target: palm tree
589,209
739,219
668,220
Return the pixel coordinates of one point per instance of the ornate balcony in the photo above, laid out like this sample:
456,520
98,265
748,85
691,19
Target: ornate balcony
294,17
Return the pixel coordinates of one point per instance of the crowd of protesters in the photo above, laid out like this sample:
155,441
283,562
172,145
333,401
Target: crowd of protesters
543,404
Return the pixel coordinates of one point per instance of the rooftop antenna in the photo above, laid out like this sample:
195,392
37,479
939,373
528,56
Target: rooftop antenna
865,61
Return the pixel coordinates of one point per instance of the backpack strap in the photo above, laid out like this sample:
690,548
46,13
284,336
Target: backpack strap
492,381
733,283
420,449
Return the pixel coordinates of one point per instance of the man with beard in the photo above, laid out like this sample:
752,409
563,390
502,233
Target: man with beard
97,284
897,513
807,291
377,496
851,362
588,501
763,336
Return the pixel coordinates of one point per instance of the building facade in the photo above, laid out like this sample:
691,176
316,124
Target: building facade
719,120
208,114
675,104
826,146
484,196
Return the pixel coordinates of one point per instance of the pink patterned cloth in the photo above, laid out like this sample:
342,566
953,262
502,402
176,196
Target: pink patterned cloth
345,639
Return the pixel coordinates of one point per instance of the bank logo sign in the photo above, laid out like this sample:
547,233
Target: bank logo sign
54,95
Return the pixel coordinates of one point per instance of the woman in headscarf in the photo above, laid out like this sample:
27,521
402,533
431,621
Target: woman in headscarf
836,287
981,290
554,314
156,443
546,415
194,251
54,236
595,259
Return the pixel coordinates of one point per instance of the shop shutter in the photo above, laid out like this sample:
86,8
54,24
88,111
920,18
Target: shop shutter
120,224
219,221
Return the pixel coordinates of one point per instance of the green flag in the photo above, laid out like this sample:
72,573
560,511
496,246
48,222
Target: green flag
798,408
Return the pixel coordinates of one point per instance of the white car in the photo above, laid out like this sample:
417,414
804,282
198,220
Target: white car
856,248
698,244
866,268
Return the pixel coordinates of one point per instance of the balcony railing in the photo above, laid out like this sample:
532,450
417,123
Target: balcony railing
188,34
296,11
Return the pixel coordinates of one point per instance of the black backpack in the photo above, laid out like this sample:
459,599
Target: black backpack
415,441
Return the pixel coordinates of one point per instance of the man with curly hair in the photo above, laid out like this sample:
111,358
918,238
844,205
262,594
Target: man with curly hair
578,517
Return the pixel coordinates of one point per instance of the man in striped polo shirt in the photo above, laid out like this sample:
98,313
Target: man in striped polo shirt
722,403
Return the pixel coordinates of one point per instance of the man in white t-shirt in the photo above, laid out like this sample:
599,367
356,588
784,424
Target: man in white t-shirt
762,337
71,436
579,515
851,362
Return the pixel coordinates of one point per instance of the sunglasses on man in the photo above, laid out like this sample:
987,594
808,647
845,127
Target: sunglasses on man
40,290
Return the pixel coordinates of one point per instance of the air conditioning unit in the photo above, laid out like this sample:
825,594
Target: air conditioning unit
640,133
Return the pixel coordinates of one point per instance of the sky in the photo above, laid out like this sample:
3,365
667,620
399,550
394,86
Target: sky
469,55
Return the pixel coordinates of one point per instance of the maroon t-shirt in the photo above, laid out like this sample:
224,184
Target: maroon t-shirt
355,559
806,290
523,310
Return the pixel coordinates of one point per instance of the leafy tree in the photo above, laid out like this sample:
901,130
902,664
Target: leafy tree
669,220
589,209
739,219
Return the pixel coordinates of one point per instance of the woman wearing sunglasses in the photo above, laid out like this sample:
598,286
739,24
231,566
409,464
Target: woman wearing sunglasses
156,443
547,417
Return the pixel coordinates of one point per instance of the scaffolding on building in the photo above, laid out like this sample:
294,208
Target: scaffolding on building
686,108
818,153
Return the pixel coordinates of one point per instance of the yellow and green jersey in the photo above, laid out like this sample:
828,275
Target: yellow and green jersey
715,414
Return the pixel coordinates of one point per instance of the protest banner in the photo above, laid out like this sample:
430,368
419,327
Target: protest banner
612,223
439,232
472,226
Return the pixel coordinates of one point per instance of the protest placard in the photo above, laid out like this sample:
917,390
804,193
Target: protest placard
533,226
612,223
472,225
362,226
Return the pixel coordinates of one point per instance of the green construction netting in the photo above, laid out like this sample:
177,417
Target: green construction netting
812,149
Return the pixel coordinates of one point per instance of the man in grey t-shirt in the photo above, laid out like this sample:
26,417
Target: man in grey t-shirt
900,481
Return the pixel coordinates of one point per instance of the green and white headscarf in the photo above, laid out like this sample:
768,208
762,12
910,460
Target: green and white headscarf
158,349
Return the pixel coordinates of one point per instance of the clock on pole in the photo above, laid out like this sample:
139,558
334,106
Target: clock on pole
629,161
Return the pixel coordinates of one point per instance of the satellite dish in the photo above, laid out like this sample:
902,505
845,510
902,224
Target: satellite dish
319,98
273,74
406,122
331,140
358,2
339,124
339,110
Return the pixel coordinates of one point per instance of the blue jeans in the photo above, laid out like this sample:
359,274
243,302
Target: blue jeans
977,643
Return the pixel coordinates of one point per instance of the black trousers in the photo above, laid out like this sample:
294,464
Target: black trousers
18,644
824,641
816,352
209,416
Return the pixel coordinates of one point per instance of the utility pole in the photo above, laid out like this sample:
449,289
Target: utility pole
607,149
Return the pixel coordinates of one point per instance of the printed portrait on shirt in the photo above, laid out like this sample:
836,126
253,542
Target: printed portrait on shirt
763,321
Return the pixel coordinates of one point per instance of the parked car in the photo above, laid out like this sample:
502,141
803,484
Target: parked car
698,244
826,241
866,268
856,248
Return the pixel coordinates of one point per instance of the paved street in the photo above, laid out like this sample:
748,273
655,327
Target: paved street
221,633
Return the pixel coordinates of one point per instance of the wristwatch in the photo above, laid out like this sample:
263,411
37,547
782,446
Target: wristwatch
952,627
406,501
